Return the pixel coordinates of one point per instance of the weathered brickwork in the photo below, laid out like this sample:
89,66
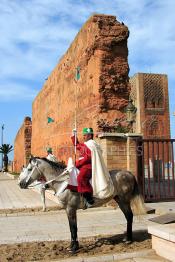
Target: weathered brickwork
22,145
100,51
150,95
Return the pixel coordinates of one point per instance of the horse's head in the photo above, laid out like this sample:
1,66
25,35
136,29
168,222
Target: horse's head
42,168
30,174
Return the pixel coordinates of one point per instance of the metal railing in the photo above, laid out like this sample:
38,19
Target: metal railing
155,169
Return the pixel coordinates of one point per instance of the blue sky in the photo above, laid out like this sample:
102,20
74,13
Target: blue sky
36,33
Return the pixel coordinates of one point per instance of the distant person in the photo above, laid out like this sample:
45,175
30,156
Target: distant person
50,155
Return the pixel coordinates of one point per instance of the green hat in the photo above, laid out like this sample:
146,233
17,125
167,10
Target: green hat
87,130
49,150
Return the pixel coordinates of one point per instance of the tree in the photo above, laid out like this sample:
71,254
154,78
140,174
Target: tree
5,149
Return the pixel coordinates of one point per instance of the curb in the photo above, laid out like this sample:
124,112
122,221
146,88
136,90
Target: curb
10,176
109,257
28,211
162,211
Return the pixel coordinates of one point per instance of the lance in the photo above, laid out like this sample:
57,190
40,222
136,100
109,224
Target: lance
77,77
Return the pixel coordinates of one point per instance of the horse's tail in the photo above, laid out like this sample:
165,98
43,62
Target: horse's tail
137,203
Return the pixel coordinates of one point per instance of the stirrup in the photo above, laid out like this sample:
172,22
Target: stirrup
87,204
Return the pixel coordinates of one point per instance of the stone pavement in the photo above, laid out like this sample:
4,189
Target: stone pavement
13,198
53,225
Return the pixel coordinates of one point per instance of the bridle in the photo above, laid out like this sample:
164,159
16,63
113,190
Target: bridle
42,175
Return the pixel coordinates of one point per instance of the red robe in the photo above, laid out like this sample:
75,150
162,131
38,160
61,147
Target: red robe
84,166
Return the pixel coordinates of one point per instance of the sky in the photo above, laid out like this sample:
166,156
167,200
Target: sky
36,33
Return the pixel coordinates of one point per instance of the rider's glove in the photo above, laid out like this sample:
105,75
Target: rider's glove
74,132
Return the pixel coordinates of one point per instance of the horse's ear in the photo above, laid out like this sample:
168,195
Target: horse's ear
30,158
33,160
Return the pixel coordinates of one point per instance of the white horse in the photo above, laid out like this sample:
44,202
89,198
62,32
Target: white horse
126,193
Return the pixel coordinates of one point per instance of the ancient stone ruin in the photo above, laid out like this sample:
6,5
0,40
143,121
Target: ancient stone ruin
22,145
99,96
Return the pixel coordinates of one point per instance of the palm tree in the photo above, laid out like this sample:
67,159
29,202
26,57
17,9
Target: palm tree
5,149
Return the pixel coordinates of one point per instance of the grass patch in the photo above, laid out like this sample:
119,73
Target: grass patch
14,173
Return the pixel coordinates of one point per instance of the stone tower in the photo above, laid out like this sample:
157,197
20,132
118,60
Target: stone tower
149,93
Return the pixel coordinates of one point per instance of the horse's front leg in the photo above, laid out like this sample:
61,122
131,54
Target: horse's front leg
72,218
43,197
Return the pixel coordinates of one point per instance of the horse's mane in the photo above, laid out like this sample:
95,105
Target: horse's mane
59,164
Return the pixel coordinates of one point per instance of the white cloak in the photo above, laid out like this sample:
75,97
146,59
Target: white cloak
52,158
101,181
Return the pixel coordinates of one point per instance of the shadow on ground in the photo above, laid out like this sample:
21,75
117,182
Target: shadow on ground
139,236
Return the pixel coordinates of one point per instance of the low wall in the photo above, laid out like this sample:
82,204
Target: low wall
120,150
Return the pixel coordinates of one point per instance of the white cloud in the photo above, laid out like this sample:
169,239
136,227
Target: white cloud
16,92
35,33
152,41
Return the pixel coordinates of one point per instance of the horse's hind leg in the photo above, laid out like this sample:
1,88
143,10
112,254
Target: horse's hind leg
72,218
126,209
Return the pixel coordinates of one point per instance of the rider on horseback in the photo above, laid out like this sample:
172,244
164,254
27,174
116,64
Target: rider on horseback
94,178
84,164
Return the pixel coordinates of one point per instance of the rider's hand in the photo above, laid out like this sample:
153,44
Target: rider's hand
74,132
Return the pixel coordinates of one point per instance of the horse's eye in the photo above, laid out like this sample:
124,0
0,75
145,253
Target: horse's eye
29,169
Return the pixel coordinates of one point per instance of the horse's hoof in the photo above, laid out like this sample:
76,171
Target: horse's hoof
74,247
127,241
72,251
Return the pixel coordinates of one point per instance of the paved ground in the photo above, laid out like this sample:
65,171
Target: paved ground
38,226
26,227
13,198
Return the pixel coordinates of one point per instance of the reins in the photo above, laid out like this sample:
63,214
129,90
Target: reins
47,182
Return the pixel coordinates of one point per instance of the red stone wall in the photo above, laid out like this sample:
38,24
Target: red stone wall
22,145
100,50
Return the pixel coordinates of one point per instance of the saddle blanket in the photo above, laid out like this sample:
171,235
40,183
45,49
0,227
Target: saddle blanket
71,183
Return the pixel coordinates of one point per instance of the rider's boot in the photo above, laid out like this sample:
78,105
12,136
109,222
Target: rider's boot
89,201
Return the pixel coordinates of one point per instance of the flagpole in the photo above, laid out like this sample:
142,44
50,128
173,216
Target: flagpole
75,120
2,144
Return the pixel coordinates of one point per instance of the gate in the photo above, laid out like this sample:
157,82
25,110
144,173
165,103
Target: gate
155,169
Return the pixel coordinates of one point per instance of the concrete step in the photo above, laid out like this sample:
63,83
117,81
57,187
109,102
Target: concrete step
163,240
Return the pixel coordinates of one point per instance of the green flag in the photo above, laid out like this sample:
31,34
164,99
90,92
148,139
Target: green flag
77,77
50,120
